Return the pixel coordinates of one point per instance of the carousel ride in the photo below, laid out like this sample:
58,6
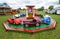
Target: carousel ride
29,22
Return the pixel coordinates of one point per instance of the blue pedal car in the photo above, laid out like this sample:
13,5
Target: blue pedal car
46,20
22,15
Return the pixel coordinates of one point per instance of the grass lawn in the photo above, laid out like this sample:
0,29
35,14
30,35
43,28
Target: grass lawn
48,34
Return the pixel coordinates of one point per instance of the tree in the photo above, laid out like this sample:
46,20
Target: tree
51,7
59,1
41,9
38,9
4,3
19,8
23,8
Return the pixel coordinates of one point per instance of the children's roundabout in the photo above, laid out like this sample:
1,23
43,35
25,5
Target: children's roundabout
29,22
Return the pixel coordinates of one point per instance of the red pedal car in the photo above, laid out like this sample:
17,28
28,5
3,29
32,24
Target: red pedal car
15,21
33,22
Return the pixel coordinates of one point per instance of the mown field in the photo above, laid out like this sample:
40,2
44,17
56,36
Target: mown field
48,34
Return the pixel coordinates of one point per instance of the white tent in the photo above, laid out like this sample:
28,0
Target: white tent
57,7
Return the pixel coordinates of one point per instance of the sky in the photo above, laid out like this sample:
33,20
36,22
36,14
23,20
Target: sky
22,3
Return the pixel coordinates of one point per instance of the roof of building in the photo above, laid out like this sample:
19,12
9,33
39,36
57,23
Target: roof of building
4,5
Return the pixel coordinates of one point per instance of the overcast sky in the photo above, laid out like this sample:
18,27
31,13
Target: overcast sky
22,3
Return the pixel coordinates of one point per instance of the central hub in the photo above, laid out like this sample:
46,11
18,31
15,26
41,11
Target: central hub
30,12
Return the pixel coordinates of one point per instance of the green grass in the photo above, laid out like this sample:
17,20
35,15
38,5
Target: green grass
48,34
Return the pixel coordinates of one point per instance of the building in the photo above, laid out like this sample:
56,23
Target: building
4,9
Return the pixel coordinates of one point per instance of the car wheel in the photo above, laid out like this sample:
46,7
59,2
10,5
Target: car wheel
37,24
21,23
26,25
14,23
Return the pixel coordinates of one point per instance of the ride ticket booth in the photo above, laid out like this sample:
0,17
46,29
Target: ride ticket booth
30,12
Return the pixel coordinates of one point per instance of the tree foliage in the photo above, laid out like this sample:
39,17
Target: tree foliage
19,8
59,1
41,9
51,7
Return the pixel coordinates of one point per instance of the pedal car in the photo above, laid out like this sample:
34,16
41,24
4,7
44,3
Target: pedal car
46,20
32,22
17,16
22,15
15,21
